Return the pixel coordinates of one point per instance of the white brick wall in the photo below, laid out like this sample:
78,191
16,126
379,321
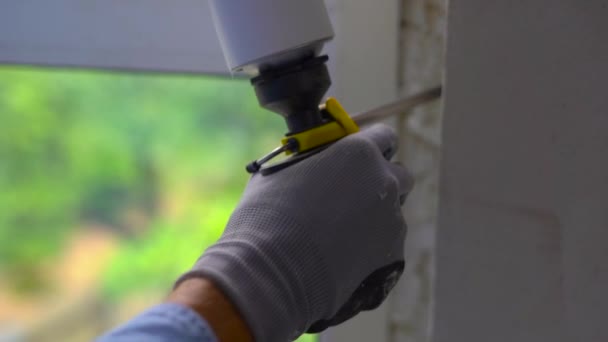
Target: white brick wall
423,27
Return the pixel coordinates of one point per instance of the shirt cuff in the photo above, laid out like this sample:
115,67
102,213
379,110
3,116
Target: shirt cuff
164,322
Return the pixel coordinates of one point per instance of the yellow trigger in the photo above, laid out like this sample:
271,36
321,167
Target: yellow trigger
324,134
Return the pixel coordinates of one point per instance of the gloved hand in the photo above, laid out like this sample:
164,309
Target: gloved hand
302,240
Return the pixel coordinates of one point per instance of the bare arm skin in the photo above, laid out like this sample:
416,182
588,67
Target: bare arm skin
202,296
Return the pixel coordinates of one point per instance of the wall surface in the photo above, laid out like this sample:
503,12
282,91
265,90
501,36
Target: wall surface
421,65
522,245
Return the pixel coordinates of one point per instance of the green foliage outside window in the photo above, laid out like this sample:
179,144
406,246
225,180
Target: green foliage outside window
81,147
156,160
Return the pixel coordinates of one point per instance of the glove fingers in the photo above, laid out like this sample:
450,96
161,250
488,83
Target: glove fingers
384,138
404,178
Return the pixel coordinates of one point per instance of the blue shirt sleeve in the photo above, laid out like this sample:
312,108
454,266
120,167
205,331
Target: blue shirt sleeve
165,322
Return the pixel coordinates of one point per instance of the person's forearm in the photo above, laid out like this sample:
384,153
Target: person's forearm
203,297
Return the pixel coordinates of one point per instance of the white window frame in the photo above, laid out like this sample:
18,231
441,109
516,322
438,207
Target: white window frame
178,36
364,65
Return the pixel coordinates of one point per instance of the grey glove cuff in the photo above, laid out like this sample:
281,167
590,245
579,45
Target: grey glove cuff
264,283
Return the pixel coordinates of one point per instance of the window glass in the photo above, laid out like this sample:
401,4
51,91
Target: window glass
111,185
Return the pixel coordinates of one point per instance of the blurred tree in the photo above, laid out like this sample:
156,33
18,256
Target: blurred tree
81,147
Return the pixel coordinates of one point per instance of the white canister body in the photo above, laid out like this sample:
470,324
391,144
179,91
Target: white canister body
258,34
